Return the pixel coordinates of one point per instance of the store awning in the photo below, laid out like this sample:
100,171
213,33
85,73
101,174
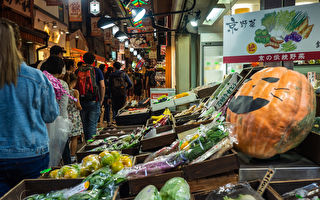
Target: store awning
33,35
98,58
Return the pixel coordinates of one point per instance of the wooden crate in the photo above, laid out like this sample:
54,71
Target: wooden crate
157,142
29,187
206,92
183,128
85,151
227,163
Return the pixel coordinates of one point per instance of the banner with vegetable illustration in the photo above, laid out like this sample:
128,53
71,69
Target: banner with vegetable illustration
283,34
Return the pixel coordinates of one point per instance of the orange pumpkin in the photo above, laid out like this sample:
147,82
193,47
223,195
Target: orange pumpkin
273,112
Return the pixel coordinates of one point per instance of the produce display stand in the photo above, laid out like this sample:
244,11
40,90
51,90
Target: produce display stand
163,105
185,118
192,97
161,140
206,92
125,117
29,187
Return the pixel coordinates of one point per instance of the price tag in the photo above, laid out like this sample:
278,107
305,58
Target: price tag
79,188
265,181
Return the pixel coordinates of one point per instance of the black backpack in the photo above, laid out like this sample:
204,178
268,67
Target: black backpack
119,85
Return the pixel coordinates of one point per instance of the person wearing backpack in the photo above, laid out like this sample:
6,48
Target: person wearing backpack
150,79
91,89
119,84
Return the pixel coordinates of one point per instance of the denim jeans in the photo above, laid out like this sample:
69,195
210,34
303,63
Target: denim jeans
12,171
90,115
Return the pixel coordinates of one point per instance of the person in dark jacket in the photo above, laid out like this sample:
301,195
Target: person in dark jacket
117,97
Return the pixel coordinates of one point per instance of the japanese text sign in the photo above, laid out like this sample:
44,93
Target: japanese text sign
283,34
75,14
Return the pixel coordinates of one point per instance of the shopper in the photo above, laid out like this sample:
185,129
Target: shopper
91,88
106,103
131,90
138,84
150,79
70,68
54,66
27,102
55,50
74,109
119,84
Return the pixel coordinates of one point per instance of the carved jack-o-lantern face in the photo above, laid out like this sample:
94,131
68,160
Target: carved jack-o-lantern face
245,104
273,112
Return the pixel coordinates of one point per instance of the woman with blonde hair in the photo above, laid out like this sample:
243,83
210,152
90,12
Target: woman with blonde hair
27,103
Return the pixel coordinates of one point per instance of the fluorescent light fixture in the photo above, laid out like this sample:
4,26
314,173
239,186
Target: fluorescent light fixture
121,36
105,22
305,3
214,14
194,23
138,14
115,29
131,49
135,52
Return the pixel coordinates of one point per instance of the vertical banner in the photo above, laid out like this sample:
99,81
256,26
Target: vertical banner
107,36
121,48
75,14
163,50
95,30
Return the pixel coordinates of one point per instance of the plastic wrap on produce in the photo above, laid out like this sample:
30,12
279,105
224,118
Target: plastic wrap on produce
164,151
160,165
242,191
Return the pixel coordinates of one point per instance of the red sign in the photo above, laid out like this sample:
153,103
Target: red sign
272,57
163,50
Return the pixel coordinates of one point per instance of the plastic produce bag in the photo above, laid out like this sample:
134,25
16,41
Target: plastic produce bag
175,189
164,151
161,164
242,191
207,141
58,136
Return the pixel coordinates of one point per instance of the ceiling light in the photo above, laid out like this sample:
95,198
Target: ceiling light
77,36
115,29
105,22
29,42
214,14
121,36
135,52
194,23
126,44
131,49
67,32
138,56
54,25
138,14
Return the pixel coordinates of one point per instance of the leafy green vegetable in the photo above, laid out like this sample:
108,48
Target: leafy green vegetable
296,21
150,192
269,21
288,46
175,189
283,19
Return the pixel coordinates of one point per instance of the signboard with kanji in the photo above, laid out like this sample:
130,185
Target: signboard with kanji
283,34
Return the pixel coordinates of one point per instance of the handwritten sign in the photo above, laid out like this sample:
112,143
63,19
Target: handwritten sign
265,181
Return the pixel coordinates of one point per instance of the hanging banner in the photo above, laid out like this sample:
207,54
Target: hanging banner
107,36
95,30
163,50
283,34
139,41
121,48
75,14
54,2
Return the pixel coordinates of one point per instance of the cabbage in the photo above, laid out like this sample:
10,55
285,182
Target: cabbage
175,189
150,192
